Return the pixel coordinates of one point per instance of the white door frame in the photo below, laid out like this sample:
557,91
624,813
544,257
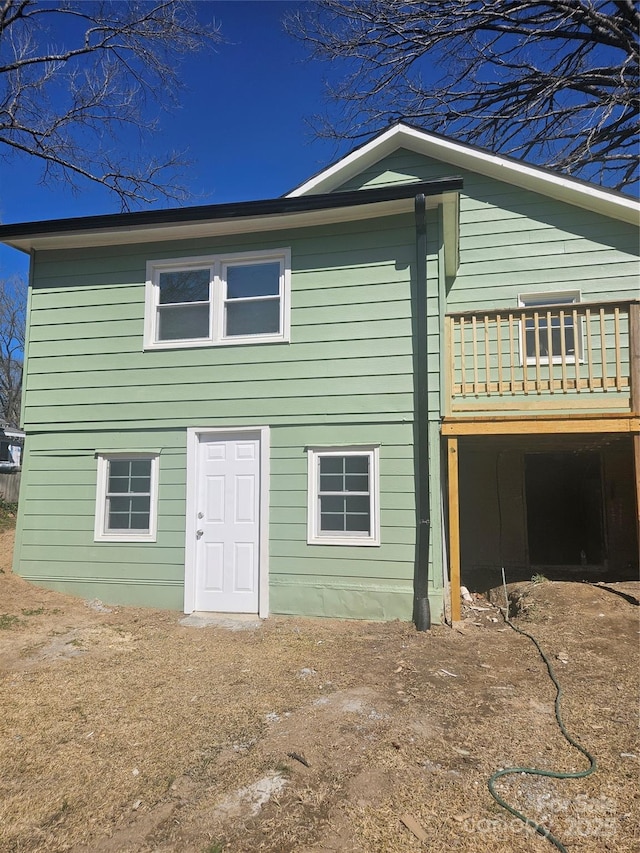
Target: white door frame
193,444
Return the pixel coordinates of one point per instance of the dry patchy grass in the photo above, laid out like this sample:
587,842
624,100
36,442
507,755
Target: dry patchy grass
125,731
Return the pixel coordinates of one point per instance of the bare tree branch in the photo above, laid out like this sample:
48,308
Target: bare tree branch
73,75
555,82
13,299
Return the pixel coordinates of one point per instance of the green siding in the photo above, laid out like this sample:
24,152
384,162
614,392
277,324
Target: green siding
86,346
514,241
345,378
57,522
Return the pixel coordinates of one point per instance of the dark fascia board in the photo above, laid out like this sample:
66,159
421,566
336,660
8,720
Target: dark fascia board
233,210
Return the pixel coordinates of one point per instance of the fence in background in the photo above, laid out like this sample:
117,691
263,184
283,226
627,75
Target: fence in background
10,485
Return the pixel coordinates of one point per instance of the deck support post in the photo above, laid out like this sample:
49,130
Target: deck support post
636,458
454,526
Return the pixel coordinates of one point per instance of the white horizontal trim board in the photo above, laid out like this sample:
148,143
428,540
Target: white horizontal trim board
364,584
126,581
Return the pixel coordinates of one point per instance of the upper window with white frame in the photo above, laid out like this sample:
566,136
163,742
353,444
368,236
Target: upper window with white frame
127,497
218,299
550,334
343,501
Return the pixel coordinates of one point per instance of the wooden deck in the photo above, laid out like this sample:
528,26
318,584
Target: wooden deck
549,369
548,358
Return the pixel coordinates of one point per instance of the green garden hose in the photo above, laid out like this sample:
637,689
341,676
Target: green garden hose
532,771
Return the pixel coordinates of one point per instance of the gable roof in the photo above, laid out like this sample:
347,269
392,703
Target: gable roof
462,156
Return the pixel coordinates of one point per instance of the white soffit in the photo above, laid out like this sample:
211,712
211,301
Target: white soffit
569,190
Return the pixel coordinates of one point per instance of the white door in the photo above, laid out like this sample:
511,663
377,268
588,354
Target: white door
227,527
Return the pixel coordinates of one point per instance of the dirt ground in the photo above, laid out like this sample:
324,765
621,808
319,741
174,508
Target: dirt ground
123,731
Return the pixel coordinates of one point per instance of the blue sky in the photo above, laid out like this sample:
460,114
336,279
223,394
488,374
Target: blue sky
243,121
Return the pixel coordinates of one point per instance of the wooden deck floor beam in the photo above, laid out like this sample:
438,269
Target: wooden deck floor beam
540,424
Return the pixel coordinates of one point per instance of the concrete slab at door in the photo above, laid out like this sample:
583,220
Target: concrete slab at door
228,523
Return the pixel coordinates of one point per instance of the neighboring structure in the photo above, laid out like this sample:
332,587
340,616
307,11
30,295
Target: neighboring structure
424,356
11,444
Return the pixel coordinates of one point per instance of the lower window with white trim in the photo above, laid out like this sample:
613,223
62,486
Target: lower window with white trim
343,499
127,497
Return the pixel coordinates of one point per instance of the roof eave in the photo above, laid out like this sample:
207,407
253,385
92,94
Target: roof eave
215,220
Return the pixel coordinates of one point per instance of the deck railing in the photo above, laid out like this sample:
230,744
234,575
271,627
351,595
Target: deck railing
547,356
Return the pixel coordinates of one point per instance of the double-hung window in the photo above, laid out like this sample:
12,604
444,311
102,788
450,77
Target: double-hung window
183,311
343,496
548,332
127,497
218,299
